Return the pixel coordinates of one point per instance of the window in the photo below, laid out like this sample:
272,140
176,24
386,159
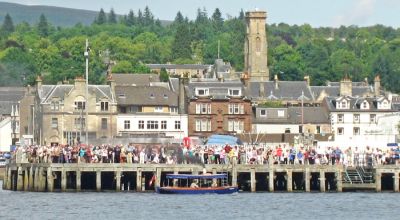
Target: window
263,113
364,105
234,92
300,129
80,105
55,106
152,125
340,131
141,124
164,125
173,110
356,118
177,125
79,123
340,118
356,131
104,106
158,109
127,124
318,129
281,113
344,104
54,123
203,125
235,125
104,123
203,108
258,44
202,92
236,109
372,118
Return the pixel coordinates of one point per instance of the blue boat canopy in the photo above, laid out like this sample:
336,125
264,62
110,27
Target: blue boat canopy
217,139
203,176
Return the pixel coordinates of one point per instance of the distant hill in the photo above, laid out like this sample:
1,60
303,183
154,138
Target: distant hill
56,15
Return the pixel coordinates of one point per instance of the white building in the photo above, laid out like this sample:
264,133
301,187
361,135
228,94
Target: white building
5,134
361,122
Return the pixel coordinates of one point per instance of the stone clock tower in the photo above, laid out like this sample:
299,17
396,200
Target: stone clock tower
255,46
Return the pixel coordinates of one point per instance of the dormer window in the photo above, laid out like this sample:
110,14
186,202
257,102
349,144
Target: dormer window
202,91
365,105
152,96
234,92
383,105
55,105
342,104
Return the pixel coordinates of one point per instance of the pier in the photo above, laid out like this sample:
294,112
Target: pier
53,177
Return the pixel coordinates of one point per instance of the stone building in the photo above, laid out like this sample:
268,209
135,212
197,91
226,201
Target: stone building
217,107
61,113
255,46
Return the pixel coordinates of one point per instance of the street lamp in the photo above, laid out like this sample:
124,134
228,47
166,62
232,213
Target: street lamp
86,54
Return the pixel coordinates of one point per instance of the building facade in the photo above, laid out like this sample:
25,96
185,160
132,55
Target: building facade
61,113
217,107
363,121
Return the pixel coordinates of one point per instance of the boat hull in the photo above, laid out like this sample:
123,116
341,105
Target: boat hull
184,190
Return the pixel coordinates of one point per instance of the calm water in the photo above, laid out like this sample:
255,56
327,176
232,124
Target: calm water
27,205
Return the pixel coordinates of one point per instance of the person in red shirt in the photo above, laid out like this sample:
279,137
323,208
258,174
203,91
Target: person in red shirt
279,154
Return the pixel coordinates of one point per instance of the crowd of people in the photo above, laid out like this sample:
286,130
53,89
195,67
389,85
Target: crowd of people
280,154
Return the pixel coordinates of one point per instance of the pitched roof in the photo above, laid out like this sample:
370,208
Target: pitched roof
145,95
48,92
311,115
334,90
355,103
8,97
217,89
130,79
178,66
283,90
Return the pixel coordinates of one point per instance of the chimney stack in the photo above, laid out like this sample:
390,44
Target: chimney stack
346,87
377,85
276,80
307,78
111,82
38,82
262,89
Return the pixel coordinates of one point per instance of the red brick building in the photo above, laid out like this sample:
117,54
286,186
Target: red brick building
217,107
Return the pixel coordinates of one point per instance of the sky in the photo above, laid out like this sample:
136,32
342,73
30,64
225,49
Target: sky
326,13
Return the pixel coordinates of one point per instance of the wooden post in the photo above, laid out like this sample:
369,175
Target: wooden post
378,181
50,180
42,180
175,181
253,180
289,180
118,180
139,180
307,179
271,179
26,179
20,179
98,181
63,180
396,182
78,180
339,178
37,180
5,178
234,176
158,178
31,179
322,180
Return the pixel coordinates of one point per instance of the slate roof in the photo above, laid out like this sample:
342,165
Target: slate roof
217,89
334,90
130,79
145,96
178,66
8,97
48,92
311,115
355,104
285,90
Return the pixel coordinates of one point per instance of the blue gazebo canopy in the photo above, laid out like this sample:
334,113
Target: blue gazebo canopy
218,139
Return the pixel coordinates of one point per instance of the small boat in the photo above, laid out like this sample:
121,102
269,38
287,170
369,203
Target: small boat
197,184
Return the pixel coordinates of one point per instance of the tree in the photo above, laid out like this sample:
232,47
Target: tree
8,26
181,46
148,17
217,20
112,18
43,26
179,18
131,20
101,17
164,76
